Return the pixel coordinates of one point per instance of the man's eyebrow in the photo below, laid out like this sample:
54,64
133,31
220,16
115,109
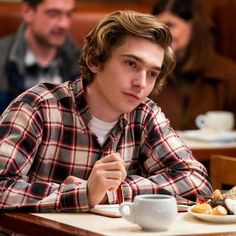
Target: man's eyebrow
60,10
140,60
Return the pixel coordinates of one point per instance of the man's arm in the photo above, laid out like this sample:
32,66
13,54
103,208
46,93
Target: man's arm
166,164
21,130
185,180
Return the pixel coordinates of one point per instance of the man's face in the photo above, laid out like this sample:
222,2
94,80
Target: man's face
49,23
128,76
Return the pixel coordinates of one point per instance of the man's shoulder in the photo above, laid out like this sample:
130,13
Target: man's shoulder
6,41
148,114
45,92
5,46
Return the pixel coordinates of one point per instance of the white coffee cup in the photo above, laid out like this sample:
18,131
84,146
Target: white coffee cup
216,120
152,212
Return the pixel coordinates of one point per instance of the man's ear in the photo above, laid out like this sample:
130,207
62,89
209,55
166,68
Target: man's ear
27,12
93,66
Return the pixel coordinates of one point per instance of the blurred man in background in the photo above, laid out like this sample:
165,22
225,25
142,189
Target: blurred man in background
40,50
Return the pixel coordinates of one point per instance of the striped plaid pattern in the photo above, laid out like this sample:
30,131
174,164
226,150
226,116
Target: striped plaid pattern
44,137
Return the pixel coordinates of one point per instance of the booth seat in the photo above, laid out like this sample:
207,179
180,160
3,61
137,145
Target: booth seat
83,19
86,16
82,23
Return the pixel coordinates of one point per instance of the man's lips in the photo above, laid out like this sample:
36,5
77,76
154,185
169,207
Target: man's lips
59,33
132,95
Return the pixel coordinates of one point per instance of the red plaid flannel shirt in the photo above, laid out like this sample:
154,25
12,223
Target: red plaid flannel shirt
44,137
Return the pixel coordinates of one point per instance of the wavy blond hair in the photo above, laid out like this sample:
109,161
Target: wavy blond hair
111,31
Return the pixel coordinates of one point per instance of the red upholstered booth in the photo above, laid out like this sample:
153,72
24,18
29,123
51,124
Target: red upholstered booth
83,19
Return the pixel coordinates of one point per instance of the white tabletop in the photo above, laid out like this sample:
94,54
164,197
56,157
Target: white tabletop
185,224
195,144
197,139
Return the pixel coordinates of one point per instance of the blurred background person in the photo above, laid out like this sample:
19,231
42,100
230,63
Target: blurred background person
40,50
203,79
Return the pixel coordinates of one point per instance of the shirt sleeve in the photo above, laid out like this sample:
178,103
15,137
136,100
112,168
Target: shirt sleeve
21,129
166,164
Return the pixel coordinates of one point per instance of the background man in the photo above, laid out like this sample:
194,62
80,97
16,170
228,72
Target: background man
40,51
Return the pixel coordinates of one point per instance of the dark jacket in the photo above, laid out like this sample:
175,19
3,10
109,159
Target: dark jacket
187,95
12,67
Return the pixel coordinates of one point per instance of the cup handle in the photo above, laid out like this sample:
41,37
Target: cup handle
123,212
200,121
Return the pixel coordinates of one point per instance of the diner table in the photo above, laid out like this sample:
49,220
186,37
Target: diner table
203,150
95,225
89,224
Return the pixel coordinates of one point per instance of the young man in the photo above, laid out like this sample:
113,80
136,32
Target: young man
40,50
69,147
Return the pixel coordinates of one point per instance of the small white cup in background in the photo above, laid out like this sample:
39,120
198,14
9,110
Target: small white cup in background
152,212
216,120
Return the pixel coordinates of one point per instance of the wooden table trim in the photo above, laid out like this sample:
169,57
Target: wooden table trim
211,234
204,154
28,224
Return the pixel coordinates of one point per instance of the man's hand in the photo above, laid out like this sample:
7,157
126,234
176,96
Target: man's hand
107,174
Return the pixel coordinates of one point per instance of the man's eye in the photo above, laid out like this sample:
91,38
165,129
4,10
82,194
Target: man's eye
53,13
131,64
153,74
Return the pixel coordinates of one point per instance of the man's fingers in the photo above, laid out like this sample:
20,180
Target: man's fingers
115,165
115,156
112,167
116,175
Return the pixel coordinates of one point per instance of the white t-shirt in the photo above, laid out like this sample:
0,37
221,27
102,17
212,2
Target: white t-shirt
101,129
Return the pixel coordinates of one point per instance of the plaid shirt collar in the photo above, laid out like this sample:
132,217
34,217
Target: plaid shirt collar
78,89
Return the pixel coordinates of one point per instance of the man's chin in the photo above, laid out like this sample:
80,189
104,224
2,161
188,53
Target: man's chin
55,44
58,42
128,109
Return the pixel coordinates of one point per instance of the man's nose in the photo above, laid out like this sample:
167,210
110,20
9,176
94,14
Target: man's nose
140,79
65,21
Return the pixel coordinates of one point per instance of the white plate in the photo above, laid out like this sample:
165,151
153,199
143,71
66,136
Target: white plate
213,218
209,135
182,208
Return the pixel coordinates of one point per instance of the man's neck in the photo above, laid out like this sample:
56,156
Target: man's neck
44,55
98,107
